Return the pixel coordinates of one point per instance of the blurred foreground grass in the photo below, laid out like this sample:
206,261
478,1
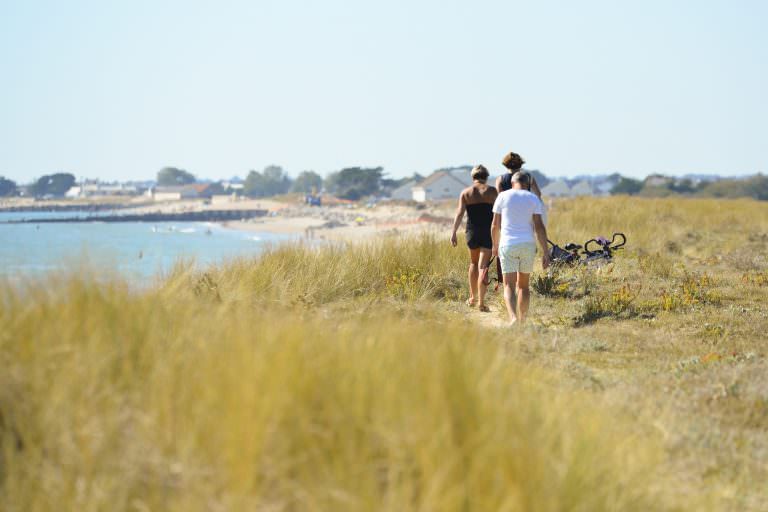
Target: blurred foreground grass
119,402
352,378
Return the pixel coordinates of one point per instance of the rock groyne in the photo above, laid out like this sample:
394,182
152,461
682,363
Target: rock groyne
197,216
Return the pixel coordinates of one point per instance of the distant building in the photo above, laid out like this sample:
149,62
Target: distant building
74,192
582,188
225,198
657,180
176,193
440,185
404,192
557,188
207,190
603,185
98,189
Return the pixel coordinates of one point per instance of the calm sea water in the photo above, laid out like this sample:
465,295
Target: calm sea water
136,250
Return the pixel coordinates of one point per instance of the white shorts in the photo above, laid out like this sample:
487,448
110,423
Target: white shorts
517,258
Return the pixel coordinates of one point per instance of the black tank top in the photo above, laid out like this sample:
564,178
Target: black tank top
479,217
506,182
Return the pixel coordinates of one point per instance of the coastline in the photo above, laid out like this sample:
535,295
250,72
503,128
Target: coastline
343,223
333,222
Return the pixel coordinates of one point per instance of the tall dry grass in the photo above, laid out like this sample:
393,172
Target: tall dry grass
670,225
113,400
339,378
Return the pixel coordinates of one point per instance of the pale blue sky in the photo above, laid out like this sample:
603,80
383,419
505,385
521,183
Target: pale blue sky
119,89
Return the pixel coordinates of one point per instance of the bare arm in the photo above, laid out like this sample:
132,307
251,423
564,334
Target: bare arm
458,218
496,233
541,236
498,183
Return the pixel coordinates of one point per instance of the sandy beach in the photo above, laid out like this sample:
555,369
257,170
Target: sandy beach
348,223
337,222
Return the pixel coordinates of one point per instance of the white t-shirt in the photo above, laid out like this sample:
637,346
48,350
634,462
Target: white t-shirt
517,208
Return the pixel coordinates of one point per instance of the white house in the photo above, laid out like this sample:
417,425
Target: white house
440,185
582,188
173,193
404,192
557,188
73,192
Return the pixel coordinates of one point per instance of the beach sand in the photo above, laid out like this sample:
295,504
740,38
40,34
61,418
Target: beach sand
348,223
336,222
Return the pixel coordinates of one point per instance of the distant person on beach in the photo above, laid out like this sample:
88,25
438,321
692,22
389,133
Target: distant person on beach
477,200
517,224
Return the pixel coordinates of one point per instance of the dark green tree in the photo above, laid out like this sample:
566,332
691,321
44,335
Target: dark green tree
355,182
627,186
684,186
172,176
55,184
306,182
754,186
271,181
7,187
254,184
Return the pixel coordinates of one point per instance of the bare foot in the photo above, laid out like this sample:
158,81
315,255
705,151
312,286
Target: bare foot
513,322
483,308
470,302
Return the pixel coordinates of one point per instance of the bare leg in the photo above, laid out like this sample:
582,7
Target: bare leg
485,257
523,295
509,295
474,257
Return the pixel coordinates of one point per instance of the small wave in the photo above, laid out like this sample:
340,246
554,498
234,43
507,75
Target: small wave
188,230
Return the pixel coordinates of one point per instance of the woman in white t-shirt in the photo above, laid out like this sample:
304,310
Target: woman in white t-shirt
517,224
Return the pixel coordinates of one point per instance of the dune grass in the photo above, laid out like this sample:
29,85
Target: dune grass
117,401
351,377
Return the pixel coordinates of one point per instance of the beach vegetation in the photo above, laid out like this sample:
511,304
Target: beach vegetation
352,376
7,187
307,182
52,185
173,177
354,183
269,182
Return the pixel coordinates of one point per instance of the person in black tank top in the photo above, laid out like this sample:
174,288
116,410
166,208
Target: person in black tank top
514,162
477,201
478,232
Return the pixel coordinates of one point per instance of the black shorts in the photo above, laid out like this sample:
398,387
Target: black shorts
479,239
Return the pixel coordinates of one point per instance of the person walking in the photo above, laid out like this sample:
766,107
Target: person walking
477,201
517,224
514,163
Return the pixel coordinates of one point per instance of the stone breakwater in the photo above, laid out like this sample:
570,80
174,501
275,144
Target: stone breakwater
197,216
90,207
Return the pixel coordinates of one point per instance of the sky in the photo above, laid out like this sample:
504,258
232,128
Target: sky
117,90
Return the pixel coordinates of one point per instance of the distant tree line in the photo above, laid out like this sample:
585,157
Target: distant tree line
660,186
53,185
354,183
7,187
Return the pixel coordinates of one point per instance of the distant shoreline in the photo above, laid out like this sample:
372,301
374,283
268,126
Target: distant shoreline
330,222
192,216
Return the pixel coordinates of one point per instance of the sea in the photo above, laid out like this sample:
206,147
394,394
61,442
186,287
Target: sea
139,252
